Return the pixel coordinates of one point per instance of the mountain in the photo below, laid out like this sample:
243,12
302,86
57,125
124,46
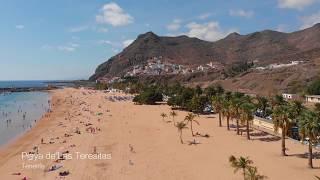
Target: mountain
181,50
263,48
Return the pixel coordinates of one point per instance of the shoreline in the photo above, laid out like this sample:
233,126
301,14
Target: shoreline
26,89
13,140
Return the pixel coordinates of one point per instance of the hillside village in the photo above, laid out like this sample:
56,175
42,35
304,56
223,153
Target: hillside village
279,65
158,66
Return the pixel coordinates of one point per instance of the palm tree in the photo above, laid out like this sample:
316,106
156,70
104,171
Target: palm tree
296,108
235,110
198,90
181,126
317,107
163,115
252,174
190,119
246,116
217,102
240,164
309,127
278,100
210,91
262,104
226,111
173,114
280,118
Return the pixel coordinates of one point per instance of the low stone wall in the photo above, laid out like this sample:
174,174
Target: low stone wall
263,123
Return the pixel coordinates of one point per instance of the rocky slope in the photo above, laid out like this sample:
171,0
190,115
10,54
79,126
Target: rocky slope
264,48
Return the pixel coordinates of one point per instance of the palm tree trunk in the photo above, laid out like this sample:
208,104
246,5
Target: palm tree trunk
191,128
244,173
283,143
310,155
228,124
181,137
238,131
248,134
220,123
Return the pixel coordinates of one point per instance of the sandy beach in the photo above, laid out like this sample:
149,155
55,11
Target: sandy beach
132,142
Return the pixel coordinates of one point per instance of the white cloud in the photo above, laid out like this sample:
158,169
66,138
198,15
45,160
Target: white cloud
74,45
204,16
174,25
295,4
282,28
113,14
114,50
19,26
210,31
46,47
127,42
308,21
241,13
104,30
70,47
78,29
66,48
107,42
116,45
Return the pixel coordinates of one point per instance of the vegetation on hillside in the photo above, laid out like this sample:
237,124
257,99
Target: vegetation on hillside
238,68
314,87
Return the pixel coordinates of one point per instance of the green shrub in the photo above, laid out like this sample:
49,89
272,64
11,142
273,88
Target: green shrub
101,86
314,87
148,96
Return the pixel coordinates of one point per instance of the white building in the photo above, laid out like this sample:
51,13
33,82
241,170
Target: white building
313,98
288,96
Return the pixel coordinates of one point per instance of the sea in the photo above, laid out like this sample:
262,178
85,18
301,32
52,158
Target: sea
20,111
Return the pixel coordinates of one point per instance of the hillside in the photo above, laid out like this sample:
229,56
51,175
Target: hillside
182,56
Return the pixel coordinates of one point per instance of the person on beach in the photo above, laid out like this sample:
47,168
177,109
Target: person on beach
95,150
24,115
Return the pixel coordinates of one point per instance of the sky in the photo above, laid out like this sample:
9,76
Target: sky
68,39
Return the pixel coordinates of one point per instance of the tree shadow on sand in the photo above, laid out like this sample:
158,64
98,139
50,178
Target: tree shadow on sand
259,134
264,136
269,139
211,117
202,135
315,155
194,142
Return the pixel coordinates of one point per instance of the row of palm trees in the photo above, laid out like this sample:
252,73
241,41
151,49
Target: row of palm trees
284,115
188,120
180,125
241,108
235,106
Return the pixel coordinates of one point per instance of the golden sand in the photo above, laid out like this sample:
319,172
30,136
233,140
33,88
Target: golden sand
122,141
